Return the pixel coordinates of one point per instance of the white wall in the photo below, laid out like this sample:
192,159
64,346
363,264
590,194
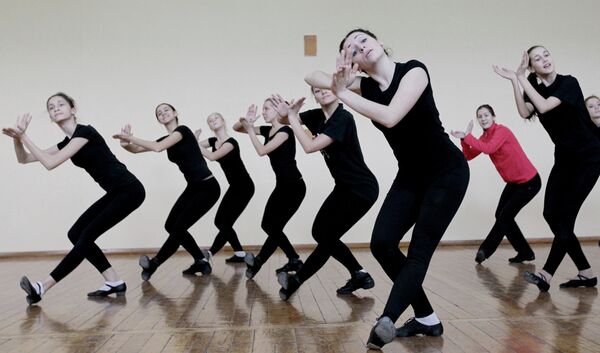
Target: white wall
119,59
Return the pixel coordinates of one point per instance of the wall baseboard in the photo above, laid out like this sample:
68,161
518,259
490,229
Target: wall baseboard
140,251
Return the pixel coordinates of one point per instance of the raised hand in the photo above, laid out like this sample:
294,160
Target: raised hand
23,122
295,105
469,127
281,106
522,69
504,73
250,115
197,133
12,132
125,135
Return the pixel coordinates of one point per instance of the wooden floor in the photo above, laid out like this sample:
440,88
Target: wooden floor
484,308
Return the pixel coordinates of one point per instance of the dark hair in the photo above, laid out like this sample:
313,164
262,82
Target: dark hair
591,97
488,107
365,31
66,97
170,106
531,49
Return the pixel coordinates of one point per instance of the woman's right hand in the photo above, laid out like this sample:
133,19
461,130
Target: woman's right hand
458,134
197,133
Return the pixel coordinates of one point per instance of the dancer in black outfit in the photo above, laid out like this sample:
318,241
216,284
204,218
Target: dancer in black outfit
226,151
201,193
124,193
592,104
431,181
289,190
558,102
521,177
336,138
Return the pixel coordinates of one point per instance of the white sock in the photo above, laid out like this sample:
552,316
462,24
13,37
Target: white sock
39,289
240,253
429,320
363,270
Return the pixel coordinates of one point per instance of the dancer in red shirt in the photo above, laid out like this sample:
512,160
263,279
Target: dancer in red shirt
522,181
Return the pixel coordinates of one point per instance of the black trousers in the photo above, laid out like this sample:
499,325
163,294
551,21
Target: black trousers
232,205
569,184
340,211
429,206
513,199
281,206
192,204
105,213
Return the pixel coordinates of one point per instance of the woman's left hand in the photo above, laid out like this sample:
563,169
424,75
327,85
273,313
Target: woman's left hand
522,69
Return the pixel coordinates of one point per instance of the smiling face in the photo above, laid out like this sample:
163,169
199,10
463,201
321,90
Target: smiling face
364,49
324,96
215,121
485,118
540,61
165,113
60,108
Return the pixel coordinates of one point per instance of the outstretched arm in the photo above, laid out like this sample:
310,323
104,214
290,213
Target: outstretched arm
221,152
141,145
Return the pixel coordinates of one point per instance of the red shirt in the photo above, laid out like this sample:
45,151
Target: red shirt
505,152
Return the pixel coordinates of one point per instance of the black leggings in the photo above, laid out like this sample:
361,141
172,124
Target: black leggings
104,214
513,199
568,186
194,202
340,211
281,206
232,205
430,208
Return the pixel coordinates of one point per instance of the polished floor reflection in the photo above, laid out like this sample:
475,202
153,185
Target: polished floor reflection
484,308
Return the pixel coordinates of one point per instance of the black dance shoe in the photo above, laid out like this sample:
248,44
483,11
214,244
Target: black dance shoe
293,265
32,295
480,256
235,259
118,290
581,281
382,333
412,328
148,267
289,285
358,280
520,258
538,280
201,266
253,263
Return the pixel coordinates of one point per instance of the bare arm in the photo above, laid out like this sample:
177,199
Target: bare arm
145,145
409,91
218,154
49,160
320,79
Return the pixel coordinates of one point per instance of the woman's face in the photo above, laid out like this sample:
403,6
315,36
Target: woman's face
165,114
485,118
540,61
59,109
268,111
324,96
215,121
593,107
364,49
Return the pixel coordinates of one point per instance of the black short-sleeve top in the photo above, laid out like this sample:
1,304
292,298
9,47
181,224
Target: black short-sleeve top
97,160
232,164
343,156
568,123
418,141
283,158
186,154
